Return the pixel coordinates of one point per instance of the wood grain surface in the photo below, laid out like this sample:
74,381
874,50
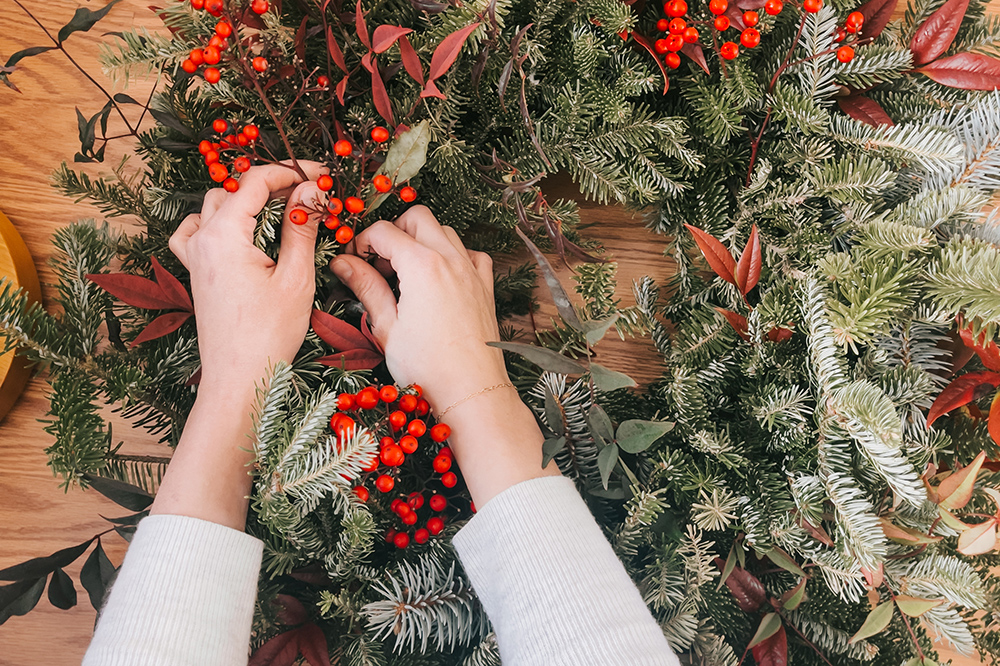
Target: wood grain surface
37,132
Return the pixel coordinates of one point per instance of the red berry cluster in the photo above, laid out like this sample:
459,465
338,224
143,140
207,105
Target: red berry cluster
400,414
353,206
241,142
212,53
853,24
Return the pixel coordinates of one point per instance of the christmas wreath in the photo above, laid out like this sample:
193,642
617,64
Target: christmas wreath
813,479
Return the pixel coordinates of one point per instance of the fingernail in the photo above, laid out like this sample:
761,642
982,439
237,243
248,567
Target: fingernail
342,268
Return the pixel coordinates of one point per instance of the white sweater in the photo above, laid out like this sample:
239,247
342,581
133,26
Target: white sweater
548,579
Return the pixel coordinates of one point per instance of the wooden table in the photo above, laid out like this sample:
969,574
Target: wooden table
38,131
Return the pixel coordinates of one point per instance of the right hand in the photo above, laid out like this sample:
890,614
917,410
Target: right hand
436,334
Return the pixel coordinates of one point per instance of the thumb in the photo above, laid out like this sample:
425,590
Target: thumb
371,289
296,257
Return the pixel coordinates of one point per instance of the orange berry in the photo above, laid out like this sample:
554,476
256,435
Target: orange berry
212,55
220,125
354,205
298,216
345,402
417,428
677,26
323,80
217,172
259,63
223,29
672,60
343,148
773,7
441,463
718,7
382,183
812,6
408,194
845,54
421,536
367,398
331,222
440,432
750,38
259,6
230,185
344,235
361,492
751,19
397,419
690,35
388,393
189,66
401,540
435,525
212,75
392,455
385,483
449,480
721,23
408,443
408,402
423,407
241,164
251,132
380,135
211,157
729,50
334,206
324,183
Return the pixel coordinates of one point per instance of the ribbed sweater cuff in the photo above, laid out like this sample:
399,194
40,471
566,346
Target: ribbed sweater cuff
553,588
184,595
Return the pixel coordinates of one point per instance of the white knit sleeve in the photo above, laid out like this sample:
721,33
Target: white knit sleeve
184,596
551,584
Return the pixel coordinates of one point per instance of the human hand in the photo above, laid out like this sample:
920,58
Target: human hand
436,334
250,310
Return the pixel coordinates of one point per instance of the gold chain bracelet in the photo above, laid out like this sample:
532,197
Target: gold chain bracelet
473,395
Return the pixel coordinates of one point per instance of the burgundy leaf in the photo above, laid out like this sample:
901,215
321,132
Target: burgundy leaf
381,96
360,26
877,14
366,330
962,391
411,61
993,423
447,51
773,650
748,268
312,645
431,90
336,332
988,351
937,33
737,321
735,15
642,41
291,611
715,253
195,378
334,48
695,52
172,287
162,325
353,359
300,40
386,35
779,334
745,587
864,109
968,71
134,290
341,88
750,4
282,650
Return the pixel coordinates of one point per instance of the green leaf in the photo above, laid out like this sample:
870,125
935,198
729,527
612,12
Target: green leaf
62,592
609,380
728,568
769,626
86,129
559,295
615,493
25,53
122,98
407,153
922,661
20,597
551,447
544,358
132,519
600,424
606,461
43,566
596,330
123,494
635,435
84,19
876,621
554,414
793,598
914,606
95,575
784,560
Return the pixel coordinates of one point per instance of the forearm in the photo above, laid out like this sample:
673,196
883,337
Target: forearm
208,477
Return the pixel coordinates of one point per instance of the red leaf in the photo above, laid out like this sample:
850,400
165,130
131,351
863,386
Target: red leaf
162,325
411,61
938,32
195,378
877,15
447,51
864,109
172,287
748,268
716,254
341,88
431,90
773,650
382,102
737,321
386,35
735,15
282,650
695,52
134,290
300,40
641,40
366,330
336,332
750,4
817,533
960,392
334,48
312,645
360,26
994,420
290,610
989,353
745,587
779,334
353,359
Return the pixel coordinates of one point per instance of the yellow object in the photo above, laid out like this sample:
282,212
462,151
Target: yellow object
17,266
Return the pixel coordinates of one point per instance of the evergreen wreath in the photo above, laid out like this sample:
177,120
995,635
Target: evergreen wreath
823,443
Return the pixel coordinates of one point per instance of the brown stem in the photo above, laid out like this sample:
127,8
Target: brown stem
807,641
906,621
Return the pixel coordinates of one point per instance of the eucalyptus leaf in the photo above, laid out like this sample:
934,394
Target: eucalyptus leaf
408,153
785,561
559,295
25,53
123,494
636,435
62,592
600,424
554,413
551,447
876,621
544,358
596,330
606,461
84,19
609,380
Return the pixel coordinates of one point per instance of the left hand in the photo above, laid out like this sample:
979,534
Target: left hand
250,310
